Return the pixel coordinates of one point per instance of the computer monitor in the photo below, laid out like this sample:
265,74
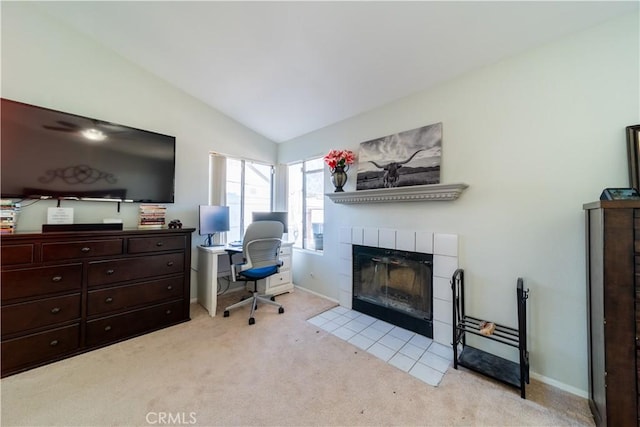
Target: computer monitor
213,219
272,216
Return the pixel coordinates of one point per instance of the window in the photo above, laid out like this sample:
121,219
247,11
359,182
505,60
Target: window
249,189
306,203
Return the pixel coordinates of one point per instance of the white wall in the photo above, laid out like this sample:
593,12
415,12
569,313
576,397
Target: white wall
47,64
535,137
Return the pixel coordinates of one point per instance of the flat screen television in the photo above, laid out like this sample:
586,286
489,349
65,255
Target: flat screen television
272,216
212,220
48,154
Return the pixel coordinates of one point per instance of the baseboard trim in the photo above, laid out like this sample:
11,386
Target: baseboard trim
560,385
316,294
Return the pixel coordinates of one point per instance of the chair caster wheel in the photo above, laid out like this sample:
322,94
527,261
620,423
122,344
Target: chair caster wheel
273,298
252,320
226,313
281,310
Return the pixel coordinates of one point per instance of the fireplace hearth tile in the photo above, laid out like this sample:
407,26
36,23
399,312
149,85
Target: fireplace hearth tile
412,353
441,350
344,333
356,325
361,341
373,333
382,326
401,333
365,318
436,362
381,351
353,314
426,373
421,341
392,342
340,310
329,326
402,362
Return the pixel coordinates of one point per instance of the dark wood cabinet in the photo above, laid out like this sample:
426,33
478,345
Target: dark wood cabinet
613,310
65,293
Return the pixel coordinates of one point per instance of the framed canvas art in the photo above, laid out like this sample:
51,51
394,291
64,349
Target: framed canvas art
403,159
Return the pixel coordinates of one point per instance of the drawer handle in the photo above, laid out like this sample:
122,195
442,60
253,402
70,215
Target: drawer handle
107,328
56,278
160,244
110,271
85,249
108,300
170,264
169,287
55,310
168,311
53,343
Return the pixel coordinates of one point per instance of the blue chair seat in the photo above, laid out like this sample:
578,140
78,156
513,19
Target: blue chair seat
260,273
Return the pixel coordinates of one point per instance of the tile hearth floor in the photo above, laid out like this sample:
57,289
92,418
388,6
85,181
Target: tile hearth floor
415,354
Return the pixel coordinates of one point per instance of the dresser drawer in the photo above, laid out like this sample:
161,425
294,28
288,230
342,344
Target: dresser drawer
37,348
29,282
120,270
114,328
155,244
17,254
112,299
81,249
39,313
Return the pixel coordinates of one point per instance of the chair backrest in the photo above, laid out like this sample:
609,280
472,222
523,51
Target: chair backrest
261,244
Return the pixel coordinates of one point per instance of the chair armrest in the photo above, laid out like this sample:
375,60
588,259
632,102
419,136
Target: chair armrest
234,265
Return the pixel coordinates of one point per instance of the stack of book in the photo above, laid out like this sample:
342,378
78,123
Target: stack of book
152,216
8,216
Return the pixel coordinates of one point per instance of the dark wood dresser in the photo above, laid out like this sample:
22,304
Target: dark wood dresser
613,310
65,293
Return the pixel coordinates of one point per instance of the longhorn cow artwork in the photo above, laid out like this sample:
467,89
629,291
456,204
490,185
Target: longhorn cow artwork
403,159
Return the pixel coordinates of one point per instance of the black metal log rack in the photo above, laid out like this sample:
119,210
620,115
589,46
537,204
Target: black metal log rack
515,374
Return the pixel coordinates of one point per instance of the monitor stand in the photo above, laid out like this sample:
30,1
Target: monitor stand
208,242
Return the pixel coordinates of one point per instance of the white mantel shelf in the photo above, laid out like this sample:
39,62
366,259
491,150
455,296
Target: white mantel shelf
415,193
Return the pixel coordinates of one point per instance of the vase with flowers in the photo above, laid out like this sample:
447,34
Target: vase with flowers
338,162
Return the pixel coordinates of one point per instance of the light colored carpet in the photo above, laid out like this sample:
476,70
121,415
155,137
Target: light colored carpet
280,371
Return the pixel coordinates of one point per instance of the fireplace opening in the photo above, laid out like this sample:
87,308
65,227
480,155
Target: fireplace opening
394,286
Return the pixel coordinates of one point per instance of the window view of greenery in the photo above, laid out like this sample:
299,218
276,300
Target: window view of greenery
306,204
249,189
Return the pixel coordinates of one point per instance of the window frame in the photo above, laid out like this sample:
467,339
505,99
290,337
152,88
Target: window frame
243,172
304,172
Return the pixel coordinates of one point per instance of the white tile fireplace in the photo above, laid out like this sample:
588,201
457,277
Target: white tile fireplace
443,247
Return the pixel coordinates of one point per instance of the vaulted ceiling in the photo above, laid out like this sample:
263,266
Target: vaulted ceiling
285,69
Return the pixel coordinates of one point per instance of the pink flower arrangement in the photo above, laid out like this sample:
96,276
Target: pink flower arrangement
339,158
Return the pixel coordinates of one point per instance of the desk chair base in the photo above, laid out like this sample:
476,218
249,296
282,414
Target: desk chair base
253,300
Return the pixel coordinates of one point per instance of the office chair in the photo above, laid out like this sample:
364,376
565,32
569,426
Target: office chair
260,251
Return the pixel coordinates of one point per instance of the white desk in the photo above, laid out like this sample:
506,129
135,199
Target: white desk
209,269
208,276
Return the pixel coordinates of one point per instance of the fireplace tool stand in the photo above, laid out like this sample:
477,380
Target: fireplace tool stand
515,374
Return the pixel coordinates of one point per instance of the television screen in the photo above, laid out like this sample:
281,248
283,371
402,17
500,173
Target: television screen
272,216
51,154
213,219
